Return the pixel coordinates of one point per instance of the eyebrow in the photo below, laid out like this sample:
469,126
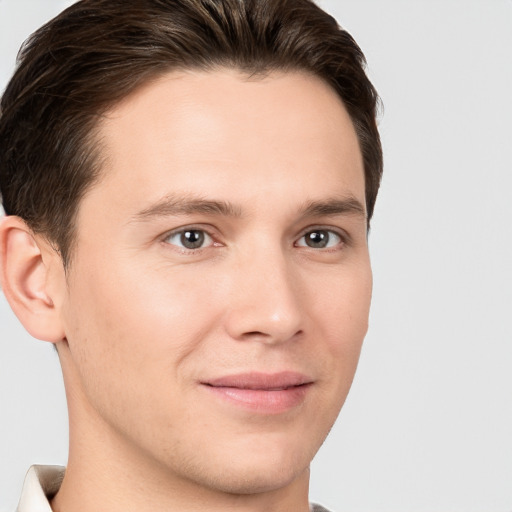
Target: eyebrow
187,205
334,206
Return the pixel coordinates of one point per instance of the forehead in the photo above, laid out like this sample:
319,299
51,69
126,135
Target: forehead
200,132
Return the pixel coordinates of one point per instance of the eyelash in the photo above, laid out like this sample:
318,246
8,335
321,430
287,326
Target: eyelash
343,239
341,236
182,231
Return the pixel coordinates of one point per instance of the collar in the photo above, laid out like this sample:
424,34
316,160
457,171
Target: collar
41,484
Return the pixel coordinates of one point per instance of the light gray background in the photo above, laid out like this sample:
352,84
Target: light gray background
428,424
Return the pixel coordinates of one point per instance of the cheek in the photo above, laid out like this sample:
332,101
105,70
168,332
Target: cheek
343,304
133,340
342,311
145,307
131,330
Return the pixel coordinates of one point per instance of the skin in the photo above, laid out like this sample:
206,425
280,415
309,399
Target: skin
142,322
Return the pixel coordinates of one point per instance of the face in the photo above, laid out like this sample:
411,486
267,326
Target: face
219,289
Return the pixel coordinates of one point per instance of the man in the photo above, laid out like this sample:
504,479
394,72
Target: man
188,188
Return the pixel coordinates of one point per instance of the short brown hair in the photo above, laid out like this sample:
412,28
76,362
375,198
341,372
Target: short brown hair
97,52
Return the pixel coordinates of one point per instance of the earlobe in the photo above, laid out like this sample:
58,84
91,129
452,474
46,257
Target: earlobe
24,275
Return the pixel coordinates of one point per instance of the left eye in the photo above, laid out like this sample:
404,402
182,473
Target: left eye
319,239
190,238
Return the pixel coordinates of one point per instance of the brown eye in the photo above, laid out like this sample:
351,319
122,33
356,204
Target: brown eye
320,239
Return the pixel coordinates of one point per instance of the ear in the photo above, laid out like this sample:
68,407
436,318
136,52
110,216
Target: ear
25,264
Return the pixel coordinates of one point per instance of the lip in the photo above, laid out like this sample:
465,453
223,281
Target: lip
268,393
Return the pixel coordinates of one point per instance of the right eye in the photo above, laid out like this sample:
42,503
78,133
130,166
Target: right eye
189,239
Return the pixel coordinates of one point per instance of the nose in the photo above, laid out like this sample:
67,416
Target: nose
265,300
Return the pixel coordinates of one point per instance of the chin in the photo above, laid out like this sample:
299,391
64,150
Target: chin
261,469
256,480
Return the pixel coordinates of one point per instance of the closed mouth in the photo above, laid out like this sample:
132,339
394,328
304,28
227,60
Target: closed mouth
261,392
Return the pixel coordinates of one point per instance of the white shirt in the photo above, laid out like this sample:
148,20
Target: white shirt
43,482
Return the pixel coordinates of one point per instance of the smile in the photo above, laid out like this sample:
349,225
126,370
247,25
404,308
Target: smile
260,392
